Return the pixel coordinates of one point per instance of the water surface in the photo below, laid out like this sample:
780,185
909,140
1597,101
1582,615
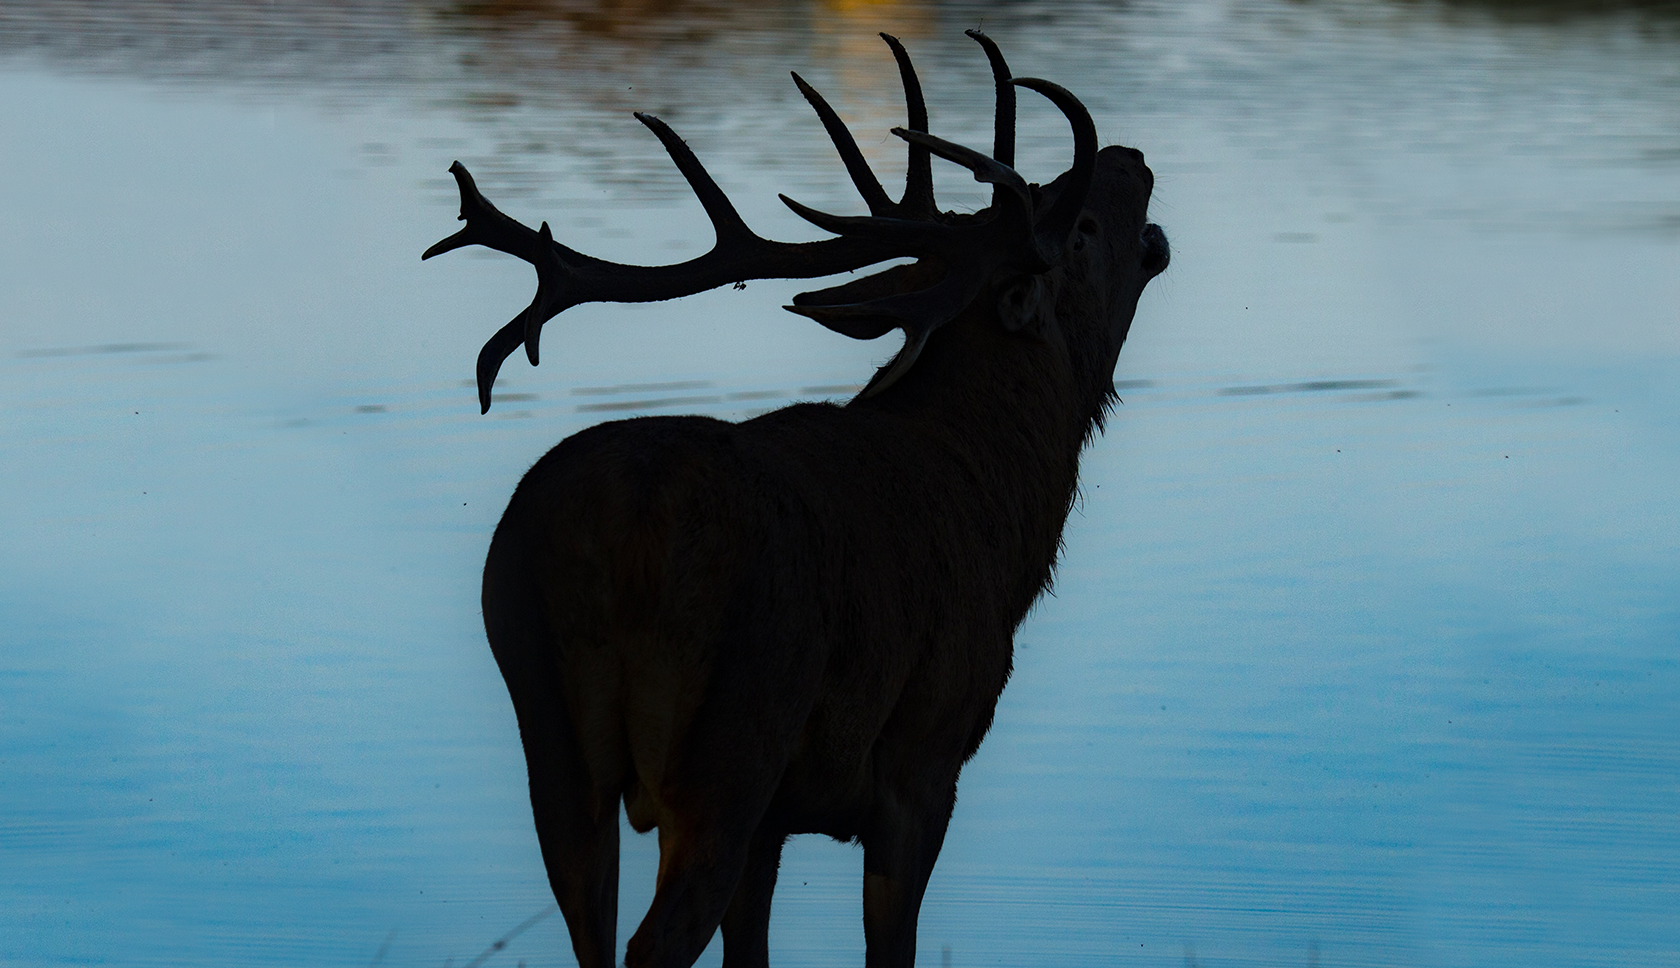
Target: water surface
1363,647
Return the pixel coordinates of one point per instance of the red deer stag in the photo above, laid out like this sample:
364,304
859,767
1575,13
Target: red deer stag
802,623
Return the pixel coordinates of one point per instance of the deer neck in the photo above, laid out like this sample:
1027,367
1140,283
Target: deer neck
1017,410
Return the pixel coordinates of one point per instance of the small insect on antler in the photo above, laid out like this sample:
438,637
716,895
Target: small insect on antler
1016,233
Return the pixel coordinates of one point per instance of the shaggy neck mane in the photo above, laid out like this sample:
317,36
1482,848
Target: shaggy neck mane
1015,411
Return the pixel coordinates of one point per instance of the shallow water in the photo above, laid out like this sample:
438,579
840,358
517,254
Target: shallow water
1363,647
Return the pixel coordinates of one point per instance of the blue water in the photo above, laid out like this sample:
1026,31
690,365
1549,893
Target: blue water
1363,649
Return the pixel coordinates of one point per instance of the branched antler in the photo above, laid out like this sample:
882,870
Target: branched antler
1010,235
566,277
959,255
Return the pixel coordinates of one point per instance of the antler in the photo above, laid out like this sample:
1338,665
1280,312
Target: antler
566,277
1010,233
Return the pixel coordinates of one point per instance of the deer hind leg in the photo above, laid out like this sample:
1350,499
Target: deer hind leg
702,858
577,829
900,844
712,800
746,924
575,808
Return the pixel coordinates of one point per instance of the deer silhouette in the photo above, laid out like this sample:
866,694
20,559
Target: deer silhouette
801,623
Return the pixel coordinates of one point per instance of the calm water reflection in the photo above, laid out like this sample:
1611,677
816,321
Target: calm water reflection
1363,649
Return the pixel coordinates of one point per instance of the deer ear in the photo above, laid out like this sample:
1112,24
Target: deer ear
1027,303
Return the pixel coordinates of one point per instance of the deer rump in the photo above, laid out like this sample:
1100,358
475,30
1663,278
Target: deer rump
802,623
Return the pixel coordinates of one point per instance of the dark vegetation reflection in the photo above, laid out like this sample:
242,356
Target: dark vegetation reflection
396,43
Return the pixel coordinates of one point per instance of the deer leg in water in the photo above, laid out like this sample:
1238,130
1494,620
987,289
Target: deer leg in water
719,785
578,833
699,866
746,925
576,812
903,841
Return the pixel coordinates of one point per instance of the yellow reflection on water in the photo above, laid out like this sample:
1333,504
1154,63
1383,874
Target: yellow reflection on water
865,88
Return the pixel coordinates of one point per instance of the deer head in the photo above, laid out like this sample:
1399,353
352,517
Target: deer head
1020,257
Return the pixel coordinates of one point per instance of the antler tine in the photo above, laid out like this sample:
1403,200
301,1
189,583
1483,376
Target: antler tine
1006,181
1054,225
725,220
867,184
551,273
899,230
914,341
495,352
486,225
917,313
918,175
1003,125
